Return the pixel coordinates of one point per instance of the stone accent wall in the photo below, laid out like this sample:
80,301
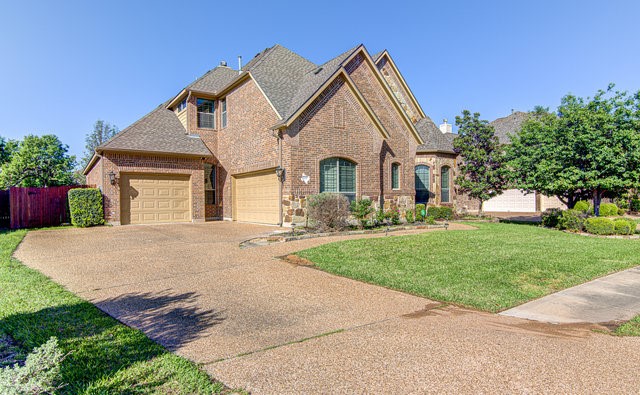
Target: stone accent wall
157,164
395,83
436,161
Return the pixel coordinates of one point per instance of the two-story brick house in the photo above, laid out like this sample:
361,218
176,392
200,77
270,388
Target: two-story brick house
251,144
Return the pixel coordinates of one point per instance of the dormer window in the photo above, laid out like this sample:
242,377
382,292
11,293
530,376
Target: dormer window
182,105
206,114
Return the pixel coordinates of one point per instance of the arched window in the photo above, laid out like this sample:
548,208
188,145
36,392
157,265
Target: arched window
422,184
395,176
444,185
339,176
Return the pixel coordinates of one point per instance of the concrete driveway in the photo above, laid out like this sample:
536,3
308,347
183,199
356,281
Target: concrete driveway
256,322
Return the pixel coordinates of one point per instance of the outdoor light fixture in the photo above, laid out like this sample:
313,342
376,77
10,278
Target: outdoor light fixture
280,173
112,177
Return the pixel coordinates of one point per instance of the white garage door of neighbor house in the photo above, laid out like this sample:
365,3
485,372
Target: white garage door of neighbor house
511,200
256,197
155,198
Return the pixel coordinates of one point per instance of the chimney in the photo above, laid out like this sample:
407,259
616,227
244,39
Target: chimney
223,63
239,64
446,127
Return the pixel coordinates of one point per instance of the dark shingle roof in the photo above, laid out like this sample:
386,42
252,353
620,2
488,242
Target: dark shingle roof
279,73
434,139
313,80
159,131
508,125
214,80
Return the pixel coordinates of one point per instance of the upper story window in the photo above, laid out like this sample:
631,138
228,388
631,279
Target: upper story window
395,176
223,112
182,105
338,175
444,185
206,114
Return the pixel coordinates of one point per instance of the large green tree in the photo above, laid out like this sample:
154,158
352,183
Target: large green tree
102,132
38,161
482,174
588,148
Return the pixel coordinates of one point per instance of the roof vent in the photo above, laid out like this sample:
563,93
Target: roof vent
446,127
317,71
223,63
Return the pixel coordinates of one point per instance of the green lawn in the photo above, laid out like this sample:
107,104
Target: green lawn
105,357
630,328
493,268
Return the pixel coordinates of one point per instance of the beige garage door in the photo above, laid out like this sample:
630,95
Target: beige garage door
255,197
155,198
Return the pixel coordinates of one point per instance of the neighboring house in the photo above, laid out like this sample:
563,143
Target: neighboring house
251,144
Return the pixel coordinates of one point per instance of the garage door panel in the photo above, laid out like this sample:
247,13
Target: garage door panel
511,200
153,198
256,198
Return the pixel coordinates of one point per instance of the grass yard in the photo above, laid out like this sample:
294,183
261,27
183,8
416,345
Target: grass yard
630,328
105,357
493,268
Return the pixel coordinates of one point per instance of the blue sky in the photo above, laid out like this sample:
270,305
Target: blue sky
65,64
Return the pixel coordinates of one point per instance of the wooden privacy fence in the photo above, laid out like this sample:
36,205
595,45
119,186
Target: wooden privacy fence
35,207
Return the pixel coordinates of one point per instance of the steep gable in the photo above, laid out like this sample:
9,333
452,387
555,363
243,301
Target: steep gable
398,86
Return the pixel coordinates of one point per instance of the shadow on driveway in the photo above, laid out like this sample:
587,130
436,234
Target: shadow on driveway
171,319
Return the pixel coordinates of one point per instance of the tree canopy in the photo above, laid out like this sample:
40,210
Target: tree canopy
589,147
483,175
37,161
102,132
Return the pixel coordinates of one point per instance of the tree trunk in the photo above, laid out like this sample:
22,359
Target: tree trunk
597,198
480,207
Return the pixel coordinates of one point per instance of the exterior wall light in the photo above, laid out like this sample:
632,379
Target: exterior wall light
280,173
112,177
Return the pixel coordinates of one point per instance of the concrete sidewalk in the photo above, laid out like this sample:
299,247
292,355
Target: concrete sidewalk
615,297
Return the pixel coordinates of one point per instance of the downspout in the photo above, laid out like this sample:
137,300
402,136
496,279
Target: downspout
280,192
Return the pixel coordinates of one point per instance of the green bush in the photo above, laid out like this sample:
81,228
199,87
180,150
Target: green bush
381,218
329,211
361,209
608,210
440,212
599,226
572,220
635,205
419,209
622,202
582,206
39,373
85,207
624,226
409,216
431,220
621,211
551,217
393,215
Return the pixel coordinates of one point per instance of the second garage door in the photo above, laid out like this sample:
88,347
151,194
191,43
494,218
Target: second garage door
255,197
155,198
511,200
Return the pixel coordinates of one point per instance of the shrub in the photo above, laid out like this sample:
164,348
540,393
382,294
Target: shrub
581,206
622,202
393,215
39,373
380,217
624,226
608,210
635,205
85,207
440,212
431,220
329,211
621,211
361,209
599,226
551,217
572,220
419,212
409,216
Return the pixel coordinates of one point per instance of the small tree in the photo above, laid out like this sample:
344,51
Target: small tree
482,173
38,161
102,132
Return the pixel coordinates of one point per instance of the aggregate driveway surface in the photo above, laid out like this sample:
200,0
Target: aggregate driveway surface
271,327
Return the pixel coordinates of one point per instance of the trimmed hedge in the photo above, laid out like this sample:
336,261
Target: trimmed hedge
599,226
85,207
582,206
419,208
608,210
623,226
551,217
572,220
440,212
635,205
